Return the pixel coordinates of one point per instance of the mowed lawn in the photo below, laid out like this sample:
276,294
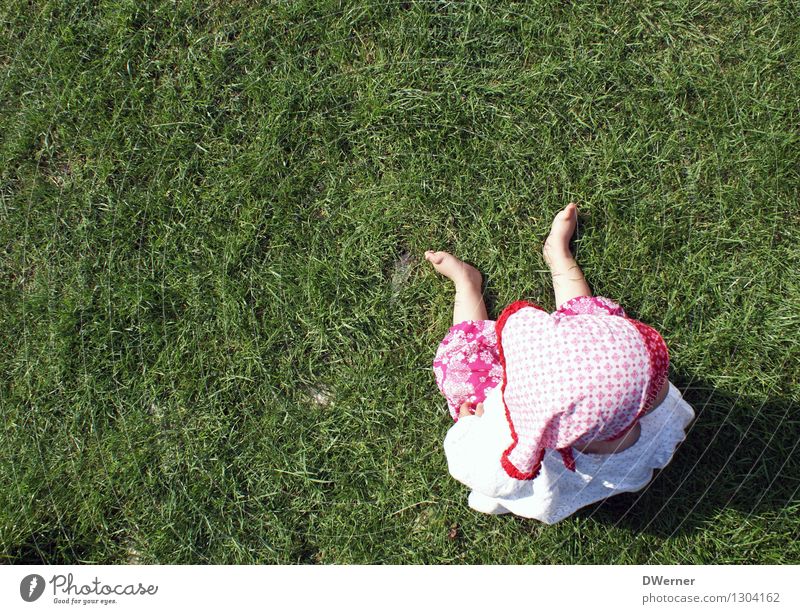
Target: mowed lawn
217,327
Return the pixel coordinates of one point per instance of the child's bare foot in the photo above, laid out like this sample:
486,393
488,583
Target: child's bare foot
468,303
556,247
451,267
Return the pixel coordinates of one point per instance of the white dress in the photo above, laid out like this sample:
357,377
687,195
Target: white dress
474,445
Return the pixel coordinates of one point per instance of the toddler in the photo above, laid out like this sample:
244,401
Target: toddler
553,411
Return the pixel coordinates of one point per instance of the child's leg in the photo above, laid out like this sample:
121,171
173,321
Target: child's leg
568,279
468,304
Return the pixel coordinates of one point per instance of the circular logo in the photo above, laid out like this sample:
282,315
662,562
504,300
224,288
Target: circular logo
31,587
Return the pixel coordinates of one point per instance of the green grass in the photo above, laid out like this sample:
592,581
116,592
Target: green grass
216,326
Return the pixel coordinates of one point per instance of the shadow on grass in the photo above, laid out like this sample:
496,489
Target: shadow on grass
52,547
739,453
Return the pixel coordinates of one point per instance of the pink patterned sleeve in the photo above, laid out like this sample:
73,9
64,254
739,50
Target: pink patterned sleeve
466,365
590,305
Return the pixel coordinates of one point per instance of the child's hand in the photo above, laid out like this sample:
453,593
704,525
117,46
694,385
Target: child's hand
466,409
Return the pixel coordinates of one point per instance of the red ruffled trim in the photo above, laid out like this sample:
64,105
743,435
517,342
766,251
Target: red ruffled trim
567,457
510,469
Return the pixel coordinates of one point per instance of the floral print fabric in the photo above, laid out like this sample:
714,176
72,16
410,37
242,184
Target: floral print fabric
466,365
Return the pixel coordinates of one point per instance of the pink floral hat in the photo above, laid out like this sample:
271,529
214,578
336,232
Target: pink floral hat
571,380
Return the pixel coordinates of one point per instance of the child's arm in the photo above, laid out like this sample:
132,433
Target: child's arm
466,410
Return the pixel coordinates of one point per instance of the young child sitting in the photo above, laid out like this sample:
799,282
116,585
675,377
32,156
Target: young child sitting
553,411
